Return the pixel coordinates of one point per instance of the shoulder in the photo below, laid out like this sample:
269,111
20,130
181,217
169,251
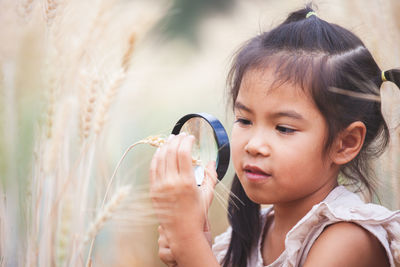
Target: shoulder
346,244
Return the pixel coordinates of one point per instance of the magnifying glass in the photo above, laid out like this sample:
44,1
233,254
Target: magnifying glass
211,142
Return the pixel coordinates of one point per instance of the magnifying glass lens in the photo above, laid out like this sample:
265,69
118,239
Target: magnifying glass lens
212,143
205,148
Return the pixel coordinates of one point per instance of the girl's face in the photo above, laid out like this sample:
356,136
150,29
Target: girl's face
278,142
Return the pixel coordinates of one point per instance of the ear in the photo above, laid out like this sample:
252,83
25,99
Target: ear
348,143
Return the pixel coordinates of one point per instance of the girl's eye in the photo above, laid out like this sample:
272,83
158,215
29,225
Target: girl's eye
243,121
285,130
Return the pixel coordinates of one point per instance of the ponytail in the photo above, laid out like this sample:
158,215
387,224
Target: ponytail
392,75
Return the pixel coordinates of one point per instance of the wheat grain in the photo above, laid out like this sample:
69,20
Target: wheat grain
158,141
50,108
153,140
25,8
128,53
88,112
50,10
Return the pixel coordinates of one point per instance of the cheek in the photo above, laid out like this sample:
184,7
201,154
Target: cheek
237,146
300,148
304,156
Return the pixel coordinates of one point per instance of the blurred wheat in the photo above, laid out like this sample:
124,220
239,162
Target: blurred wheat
85,56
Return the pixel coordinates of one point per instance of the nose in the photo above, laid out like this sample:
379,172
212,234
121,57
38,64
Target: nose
257,145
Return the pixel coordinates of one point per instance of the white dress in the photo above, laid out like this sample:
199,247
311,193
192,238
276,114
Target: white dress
340,205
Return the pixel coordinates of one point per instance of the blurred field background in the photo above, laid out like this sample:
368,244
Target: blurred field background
80,81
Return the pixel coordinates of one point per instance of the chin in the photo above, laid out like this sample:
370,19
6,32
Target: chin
258,197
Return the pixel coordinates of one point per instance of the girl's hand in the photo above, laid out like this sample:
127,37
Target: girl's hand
180,204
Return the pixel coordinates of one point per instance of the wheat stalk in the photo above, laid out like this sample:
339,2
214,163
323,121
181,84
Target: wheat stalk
3,228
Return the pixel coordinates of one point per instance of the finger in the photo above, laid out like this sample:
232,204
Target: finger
210,175
171,162
162,239
166,256
209,182
153,167
161,232
158,165
207,227
185,158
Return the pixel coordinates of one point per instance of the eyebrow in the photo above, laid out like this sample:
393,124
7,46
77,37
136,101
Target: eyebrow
240,106
285,113
288,113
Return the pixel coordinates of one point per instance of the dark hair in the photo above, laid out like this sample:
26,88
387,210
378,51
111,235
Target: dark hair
340,74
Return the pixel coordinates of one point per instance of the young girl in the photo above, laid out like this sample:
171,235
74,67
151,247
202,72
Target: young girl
306,102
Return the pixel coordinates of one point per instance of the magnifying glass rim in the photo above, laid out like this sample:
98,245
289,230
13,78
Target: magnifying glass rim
220,136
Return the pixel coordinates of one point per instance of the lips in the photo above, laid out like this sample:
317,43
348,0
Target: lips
255,174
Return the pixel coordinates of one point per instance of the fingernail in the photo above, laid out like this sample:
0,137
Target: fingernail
170,137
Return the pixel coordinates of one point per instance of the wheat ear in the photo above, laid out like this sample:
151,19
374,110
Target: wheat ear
115,85
105,214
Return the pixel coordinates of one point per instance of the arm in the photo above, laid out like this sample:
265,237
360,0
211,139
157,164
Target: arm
194,252
164,250
346,244
180,204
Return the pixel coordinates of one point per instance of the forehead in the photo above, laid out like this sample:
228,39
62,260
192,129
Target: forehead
261,91
265,82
